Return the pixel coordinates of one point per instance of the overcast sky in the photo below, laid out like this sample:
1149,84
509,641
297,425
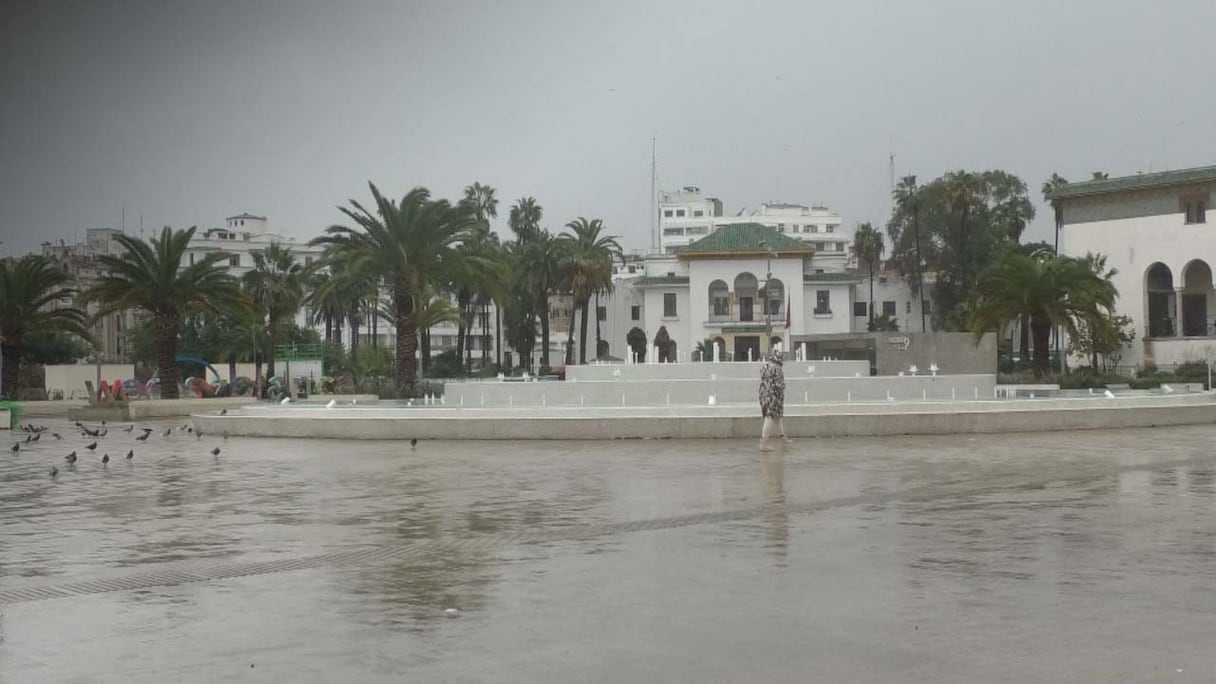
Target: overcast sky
187,112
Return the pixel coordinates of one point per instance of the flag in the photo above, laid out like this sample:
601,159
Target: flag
787,313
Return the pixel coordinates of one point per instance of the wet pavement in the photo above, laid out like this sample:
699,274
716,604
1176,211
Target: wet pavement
1083,556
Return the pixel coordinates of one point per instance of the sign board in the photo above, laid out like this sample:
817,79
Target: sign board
900,343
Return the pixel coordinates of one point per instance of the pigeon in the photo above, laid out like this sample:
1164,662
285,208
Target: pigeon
130,454
37,436
413,443
143,437
56,435
186,426
28,438
215,451
91,447
70,458
129,428
332,403
104,432
190,430
223,412
103,422
54,471
16,447
168,431
105,458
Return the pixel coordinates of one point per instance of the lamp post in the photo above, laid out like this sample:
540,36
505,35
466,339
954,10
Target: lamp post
768,277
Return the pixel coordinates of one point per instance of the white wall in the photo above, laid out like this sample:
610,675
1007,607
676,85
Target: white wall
70,379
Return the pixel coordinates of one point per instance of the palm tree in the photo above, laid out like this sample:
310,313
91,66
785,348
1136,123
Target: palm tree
1050,186
149,277
589,255
410,244
276,285
907,197
868,246
484,205
1044,288
31,289
524,218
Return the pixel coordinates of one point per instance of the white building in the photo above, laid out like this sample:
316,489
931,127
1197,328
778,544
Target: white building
686,216
1153,228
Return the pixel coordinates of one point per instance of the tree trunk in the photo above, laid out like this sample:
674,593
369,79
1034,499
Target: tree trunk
424,338
232,371
598,337
259,385
485,333
462,324
570,336
9,374
582,334
1040,330
164,330
354,337
329,328
870,307
375,325
498,335
544,331
1024,338
407,337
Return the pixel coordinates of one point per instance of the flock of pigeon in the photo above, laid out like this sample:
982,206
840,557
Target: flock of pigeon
34,434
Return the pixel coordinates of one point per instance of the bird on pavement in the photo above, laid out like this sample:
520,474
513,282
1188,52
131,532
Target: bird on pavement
143,437
56,435
105,458
130,454
54,471
413,444
70,458
223,412
28,438
91,447
16,447
37,436
215,451
168,431
129,428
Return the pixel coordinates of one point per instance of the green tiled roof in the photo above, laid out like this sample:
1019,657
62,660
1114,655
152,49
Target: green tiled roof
657,281
1137,182
746,238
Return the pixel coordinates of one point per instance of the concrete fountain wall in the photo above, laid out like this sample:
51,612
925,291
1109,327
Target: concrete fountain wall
705,371
798,390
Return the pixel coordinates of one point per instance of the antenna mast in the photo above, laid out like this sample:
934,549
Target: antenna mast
654,190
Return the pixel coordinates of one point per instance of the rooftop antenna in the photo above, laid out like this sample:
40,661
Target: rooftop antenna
654,190
123,228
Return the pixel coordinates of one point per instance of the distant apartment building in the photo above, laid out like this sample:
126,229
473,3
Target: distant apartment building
79,261
686,216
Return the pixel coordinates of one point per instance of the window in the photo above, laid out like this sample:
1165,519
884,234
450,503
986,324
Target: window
924,306
823,301
722,305
673,231
669,305
601,313
308,261
635,313
666,213
839,246
698,213
797,229
781,227
1195,209
829,229
888,308
191,258
818,246
812,229
679,213
859,309
818,271
234,260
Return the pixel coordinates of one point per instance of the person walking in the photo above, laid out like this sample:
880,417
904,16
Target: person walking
772,396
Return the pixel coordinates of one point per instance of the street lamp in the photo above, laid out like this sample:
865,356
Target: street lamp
768,277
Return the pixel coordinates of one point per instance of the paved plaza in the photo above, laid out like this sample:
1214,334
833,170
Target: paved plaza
1034,557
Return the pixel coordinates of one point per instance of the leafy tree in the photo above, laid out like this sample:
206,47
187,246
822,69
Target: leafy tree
868,246
149,277
961,222
31,290
883,323
589,255
662,341
1102,339
1045,288
411,244
481,201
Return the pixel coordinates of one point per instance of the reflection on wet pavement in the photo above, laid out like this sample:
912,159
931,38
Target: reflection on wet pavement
1087,555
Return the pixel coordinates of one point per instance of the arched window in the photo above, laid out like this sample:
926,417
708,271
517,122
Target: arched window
1196,296
746,292
1160,300
774,296
719,299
